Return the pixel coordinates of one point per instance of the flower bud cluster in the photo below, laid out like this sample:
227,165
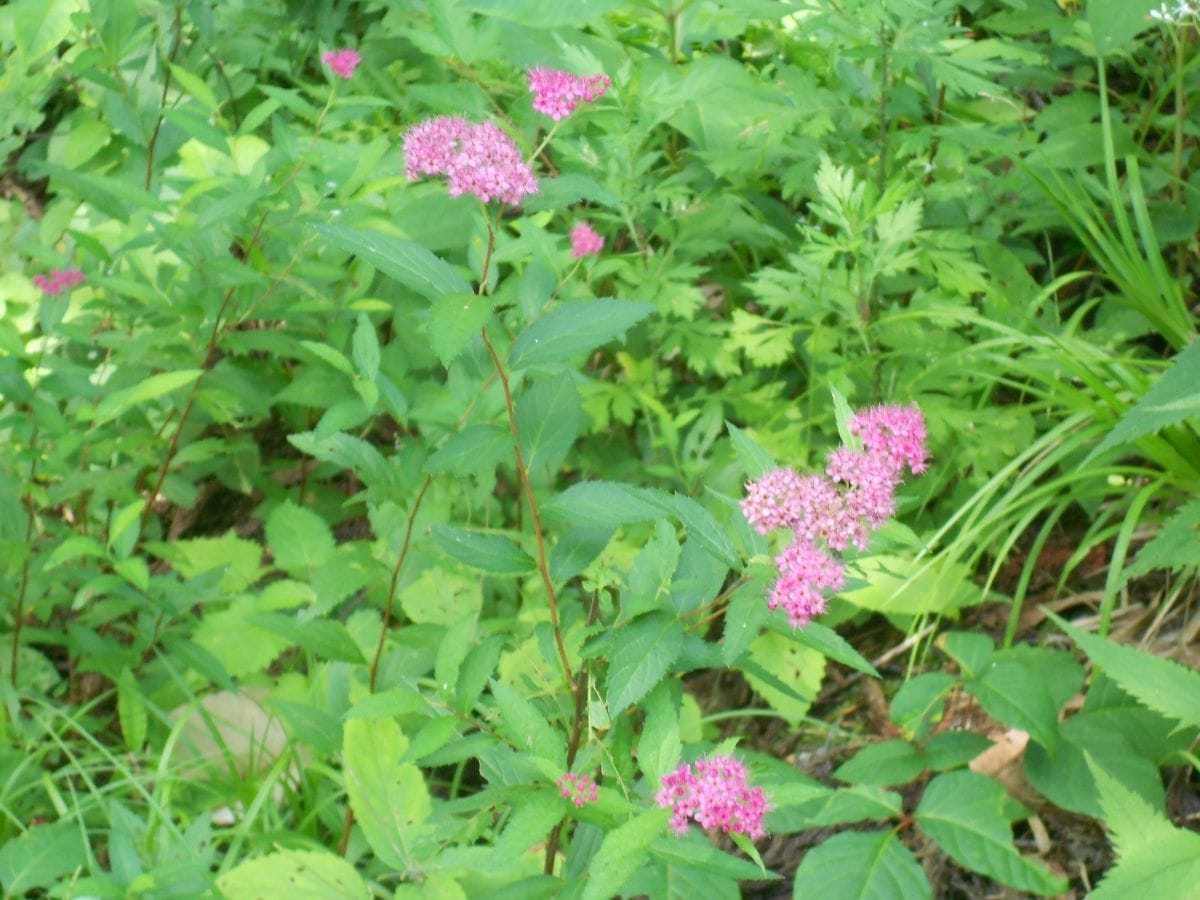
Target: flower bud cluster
342,62
476,158
58,281
579,789
828,513
715,794
557,93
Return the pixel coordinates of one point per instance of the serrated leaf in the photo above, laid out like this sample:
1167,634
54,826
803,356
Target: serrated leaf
39,857
534,814
489,552
647,649
389,798
1017,695
308,874
703,528
525,726
603,504
324,638
1154,859
827,642
406,262
695,852
131,711
476,448
1161,684
347,451
365,348
867,865
659,746
1170,400
622,853
964,813
754,459
1175,547
575,328
803,806
549,417
454,319
144,391
299,539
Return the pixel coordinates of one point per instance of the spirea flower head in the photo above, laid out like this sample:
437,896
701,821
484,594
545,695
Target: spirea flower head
342,62
557,93
475,158
59,280
716,794
855,496
585,241
579,789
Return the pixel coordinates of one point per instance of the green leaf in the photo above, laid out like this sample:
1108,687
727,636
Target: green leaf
886,763
659,746
964,813
324,638
39,26
603,504
1161,684
108,193
143,392
544,13
365,347
1175,547
826,641
971,651
534,814
131,711
389,798
308,874
1155,860
408,263
525,726
695,852
39,857
866,865
918,705
335,358
495,553
1018,695
474,449
801,806
1115,23
549,417
454,319
575,328
299,539
1170,400
240,560
754,459
647,648
622,853
347,451
703,528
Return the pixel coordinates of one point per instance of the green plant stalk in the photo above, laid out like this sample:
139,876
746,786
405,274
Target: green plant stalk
162,103
23,589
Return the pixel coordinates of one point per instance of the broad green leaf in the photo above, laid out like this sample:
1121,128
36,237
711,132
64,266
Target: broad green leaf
324,638
803,806
695,851
308,874
39,26
335,358
131,711
650,578
239,559
535,812
886,763
476,448
864,865
525,726
643,657
964,813
1155,860
826,641
575,328
918,705
544,13
659,746
549,418
786,674
365,348
40,857
895,585
454,319
1115,23
970,650
347,451
603,504
299,539
1161,684
703,528
389,798
495,553
1017,695
108,193
143,392
408,263
745,616
1176,546
622,853
1170,400
196,87
475,672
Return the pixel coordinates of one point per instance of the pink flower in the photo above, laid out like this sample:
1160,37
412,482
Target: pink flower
855,496
342,62
585,241
477,159
59,281
579,789
558,93
715,795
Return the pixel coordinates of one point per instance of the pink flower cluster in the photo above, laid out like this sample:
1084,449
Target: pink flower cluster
476,158
829,512
558,93
579,789
715,795
342,62
585,241
59,280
